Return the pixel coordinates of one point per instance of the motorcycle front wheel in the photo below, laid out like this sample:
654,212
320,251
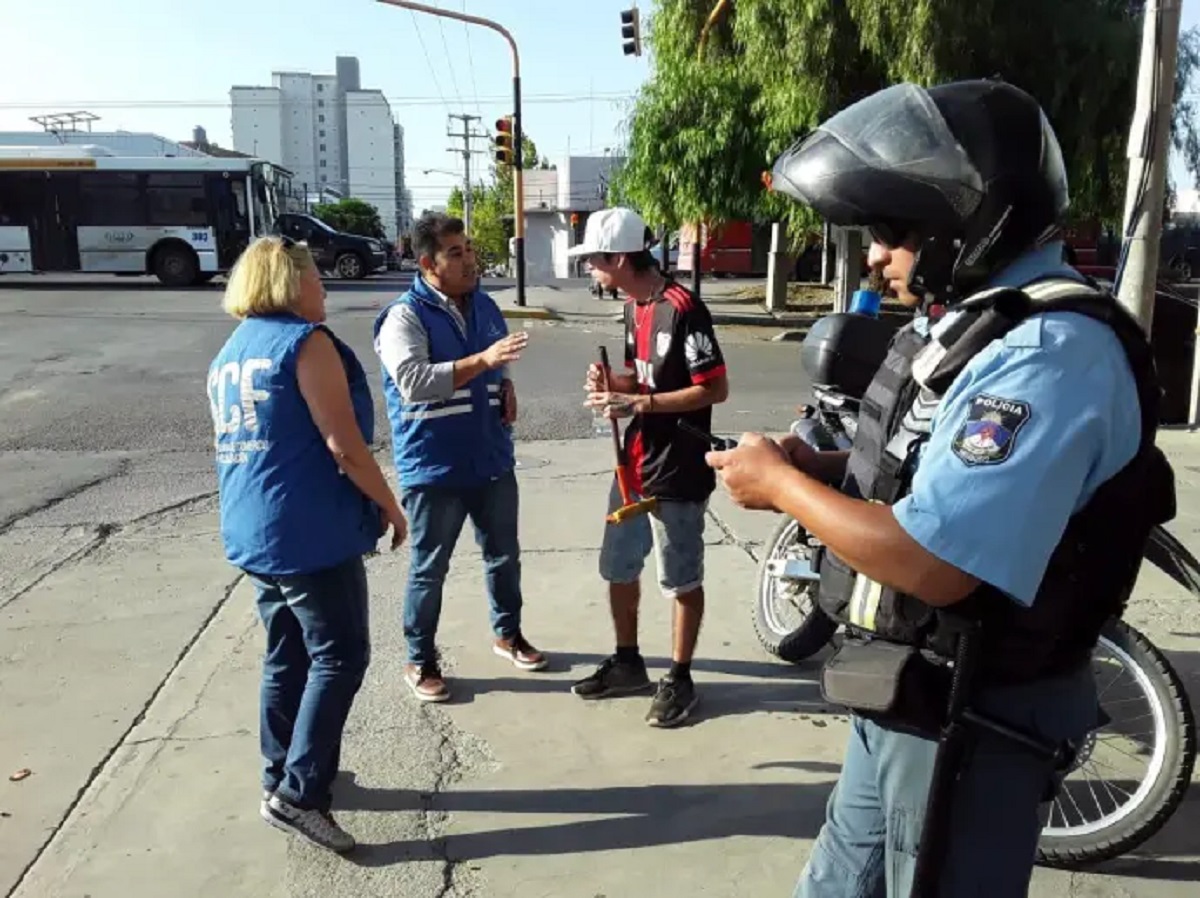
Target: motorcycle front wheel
787,620
1105,808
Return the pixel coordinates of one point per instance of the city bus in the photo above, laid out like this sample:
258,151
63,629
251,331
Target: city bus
84,209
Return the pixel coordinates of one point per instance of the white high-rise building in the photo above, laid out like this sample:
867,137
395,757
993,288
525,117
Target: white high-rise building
330,133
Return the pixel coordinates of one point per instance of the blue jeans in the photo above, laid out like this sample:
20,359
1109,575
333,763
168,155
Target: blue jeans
435,519
868,845
318,649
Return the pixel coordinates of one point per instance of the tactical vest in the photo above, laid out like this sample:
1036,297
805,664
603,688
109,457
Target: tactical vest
1095,564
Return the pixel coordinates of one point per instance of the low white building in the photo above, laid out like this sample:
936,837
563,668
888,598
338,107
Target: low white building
557,204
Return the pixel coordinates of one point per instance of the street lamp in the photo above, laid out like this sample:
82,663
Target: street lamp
518,178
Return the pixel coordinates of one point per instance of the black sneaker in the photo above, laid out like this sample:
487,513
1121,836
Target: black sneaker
674,701
614,677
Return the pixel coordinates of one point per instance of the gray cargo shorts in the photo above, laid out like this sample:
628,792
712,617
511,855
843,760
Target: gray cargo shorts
675,532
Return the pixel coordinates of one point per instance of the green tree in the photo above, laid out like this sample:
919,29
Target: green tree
351,215
709,122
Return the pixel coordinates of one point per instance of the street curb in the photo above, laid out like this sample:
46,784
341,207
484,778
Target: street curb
790,337
532,313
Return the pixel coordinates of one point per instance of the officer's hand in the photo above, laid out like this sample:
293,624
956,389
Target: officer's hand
505,350
750,472
802,455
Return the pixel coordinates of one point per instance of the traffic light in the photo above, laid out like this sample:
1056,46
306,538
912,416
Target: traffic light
631,32
504,141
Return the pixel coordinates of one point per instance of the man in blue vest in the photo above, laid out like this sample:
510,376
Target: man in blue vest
445,351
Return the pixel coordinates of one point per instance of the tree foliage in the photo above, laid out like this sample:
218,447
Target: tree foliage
352,216
708,123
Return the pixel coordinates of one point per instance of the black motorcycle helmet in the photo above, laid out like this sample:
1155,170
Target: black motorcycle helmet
972,169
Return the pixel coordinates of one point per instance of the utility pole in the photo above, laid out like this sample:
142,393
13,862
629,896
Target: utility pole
467,135
1148,153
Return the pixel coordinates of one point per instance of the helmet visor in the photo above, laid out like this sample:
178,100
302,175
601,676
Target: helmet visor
889,157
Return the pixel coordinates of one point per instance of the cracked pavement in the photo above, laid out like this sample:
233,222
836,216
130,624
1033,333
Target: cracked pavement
129,659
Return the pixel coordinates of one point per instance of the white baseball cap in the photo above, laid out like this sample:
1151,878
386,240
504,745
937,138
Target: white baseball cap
618,230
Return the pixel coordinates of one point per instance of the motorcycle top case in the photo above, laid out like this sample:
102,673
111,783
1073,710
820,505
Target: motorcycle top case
843,351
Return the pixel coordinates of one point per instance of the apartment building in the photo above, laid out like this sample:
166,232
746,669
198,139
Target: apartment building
333,134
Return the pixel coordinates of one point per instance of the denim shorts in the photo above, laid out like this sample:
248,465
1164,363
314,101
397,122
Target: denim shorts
675,532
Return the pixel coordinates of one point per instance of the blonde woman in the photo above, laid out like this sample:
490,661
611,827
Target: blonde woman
302,501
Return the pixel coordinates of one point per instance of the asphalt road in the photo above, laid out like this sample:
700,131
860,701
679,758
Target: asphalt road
106,365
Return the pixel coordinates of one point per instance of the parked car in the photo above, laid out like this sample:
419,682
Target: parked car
346,255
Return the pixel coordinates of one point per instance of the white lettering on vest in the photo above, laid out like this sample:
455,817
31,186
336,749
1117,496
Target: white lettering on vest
250,395
242,413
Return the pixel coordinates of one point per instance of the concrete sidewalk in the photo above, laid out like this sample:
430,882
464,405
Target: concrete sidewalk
516,788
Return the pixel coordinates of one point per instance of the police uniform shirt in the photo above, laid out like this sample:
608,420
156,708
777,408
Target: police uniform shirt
1021,440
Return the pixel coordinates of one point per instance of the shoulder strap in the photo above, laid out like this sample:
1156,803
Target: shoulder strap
1102,306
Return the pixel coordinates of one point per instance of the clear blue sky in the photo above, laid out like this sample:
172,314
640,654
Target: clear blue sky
165,67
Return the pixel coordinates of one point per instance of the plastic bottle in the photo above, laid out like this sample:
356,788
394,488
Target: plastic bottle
601,426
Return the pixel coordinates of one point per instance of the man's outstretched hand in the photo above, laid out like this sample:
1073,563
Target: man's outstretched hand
505,350
751,471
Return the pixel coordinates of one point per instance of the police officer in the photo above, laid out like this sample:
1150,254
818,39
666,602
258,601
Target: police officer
994,507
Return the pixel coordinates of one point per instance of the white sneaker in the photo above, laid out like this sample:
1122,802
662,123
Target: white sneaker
318,827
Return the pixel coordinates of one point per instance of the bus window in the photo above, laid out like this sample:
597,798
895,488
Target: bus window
176,199
111,198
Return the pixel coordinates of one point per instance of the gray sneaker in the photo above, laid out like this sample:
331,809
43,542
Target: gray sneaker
318,827
614,677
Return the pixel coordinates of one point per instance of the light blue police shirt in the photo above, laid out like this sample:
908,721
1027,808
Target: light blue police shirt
1022,439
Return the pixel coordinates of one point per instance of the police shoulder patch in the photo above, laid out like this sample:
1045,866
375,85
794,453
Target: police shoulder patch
988,435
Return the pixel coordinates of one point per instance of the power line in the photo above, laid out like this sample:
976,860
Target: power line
428,61
392,101
445,46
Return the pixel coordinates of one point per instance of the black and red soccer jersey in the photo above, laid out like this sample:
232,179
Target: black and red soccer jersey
670,344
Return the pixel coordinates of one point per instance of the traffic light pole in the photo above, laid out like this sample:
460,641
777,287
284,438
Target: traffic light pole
518,182
518,176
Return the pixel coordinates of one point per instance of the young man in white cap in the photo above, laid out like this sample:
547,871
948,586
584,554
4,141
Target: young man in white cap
676,372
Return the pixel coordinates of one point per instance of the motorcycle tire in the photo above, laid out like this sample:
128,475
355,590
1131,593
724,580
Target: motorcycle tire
1132,826
793,644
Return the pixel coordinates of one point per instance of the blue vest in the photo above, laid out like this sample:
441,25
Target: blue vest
286,507
460,442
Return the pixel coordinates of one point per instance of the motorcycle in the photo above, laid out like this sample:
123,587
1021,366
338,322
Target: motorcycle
1100,812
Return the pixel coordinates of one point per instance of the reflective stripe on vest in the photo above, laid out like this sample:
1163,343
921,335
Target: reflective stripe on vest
458,404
